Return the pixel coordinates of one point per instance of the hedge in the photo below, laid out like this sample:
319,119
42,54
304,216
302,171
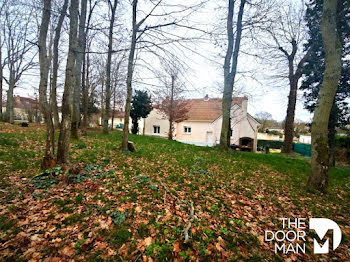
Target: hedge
342,141
272,144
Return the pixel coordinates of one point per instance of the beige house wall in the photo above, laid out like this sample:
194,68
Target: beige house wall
199,133
120,120
19,113
240,128
305,139
265,136
206,133
156,118
117,121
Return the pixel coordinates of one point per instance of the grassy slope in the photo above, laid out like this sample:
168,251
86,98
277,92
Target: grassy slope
236,196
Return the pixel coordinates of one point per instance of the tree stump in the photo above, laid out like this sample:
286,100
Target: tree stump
131,146
267,150
47,162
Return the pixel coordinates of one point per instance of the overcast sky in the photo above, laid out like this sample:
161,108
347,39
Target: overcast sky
205,74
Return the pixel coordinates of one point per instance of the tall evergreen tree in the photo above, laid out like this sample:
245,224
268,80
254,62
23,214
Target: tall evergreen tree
315,65
141,107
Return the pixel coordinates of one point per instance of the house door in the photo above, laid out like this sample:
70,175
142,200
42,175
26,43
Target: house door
209,138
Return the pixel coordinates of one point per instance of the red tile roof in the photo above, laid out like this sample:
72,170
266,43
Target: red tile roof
208,110
23,102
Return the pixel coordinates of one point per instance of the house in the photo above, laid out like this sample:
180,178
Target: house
25,109
266,136
305,139
116,118
203,124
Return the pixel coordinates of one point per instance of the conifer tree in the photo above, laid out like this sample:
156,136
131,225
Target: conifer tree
314,67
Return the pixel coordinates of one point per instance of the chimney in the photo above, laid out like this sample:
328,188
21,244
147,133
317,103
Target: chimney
245,106
206,98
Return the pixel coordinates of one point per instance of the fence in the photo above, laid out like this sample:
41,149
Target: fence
303,149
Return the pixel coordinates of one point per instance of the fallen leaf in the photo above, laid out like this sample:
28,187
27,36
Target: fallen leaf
218,247
148,241
100,245
68,251
176,247
111,252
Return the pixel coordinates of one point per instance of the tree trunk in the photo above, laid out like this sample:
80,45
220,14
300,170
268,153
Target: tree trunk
1,76
78,75
102,103
49,61
318,178
85,81
114,102
331,142
67,101
135,126
56,41
85,75
230,70
331,134
108,67
9,116
48,161
171,115
289,123
129,79
144,126
293,90
84,99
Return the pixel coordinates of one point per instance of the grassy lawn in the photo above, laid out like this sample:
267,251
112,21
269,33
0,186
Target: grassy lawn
118,206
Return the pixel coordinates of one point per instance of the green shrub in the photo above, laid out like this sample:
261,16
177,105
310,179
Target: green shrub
273,144
342,141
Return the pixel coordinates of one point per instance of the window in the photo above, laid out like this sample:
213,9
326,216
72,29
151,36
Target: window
156,129
231,132
187,130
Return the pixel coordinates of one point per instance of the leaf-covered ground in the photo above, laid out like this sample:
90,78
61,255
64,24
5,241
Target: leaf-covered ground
115,206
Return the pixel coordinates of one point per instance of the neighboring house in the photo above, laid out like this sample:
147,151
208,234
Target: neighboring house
305,139
203,124
265,136
277,129
118,122
25,109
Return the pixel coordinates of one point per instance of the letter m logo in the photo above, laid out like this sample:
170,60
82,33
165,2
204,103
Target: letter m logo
321,226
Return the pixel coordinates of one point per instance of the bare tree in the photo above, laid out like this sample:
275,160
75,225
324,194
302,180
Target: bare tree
135,27
1,76
151,36
85,71
118,96
171,97
53,93
113,8
230,68
2,7
318,178
44,74
67,102
264,118
19,59
85,89
78,66
100,66
288,33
